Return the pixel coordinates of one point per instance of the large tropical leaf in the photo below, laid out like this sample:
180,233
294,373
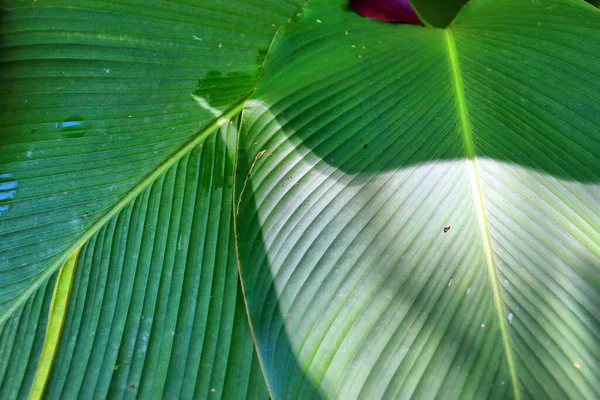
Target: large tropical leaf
418,207
98,99
155,310
423,220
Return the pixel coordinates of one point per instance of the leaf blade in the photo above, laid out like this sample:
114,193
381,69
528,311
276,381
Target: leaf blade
95,98
155,305
346,265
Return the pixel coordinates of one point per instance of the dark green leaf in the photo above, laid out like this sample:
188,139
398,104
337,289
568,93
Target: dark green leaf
99,98
21,341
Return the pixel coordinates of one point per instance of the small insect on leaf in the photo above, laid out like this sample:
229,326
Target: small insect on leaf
446,228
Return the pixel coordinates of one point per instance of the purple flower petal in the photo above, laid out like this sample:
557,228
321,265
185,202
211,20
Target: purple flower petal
386,10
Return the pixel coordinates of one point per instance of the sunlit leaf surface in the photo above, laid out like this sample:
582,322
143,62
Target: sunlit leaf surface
417,210
423,220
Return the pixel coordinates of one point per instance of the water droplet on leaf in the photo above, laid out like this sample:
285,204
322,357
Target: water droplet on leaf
72,127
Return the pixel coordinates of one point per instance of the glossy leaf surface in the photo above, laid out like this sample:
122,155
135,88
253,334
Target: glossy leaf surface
417,207
490,128
99,98
155,309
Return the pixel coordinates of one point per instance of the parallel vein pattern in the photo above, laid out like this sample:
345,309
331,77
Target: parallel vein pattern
537,129
21,341
155,310
354,286
96,95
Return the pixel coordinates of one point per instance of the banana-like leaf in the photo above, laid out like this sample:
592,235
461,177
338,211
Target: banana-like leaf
100,98
417,208
155,310
422,220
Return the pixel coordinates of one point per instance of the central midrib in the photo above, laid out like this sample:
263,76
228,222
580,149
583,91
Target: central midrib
469,146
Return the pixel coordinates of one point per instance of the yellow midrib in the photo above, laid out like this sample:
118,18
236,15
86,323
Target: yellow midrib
56,319
469,146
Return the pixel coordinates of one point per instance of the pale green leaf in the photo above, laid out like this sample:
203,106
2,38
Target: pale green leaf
490,129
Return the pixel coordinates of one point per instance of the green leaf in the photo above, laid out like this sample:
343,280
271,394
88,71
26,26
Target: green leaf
98,99
422,219
156,309
416,207
21,342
